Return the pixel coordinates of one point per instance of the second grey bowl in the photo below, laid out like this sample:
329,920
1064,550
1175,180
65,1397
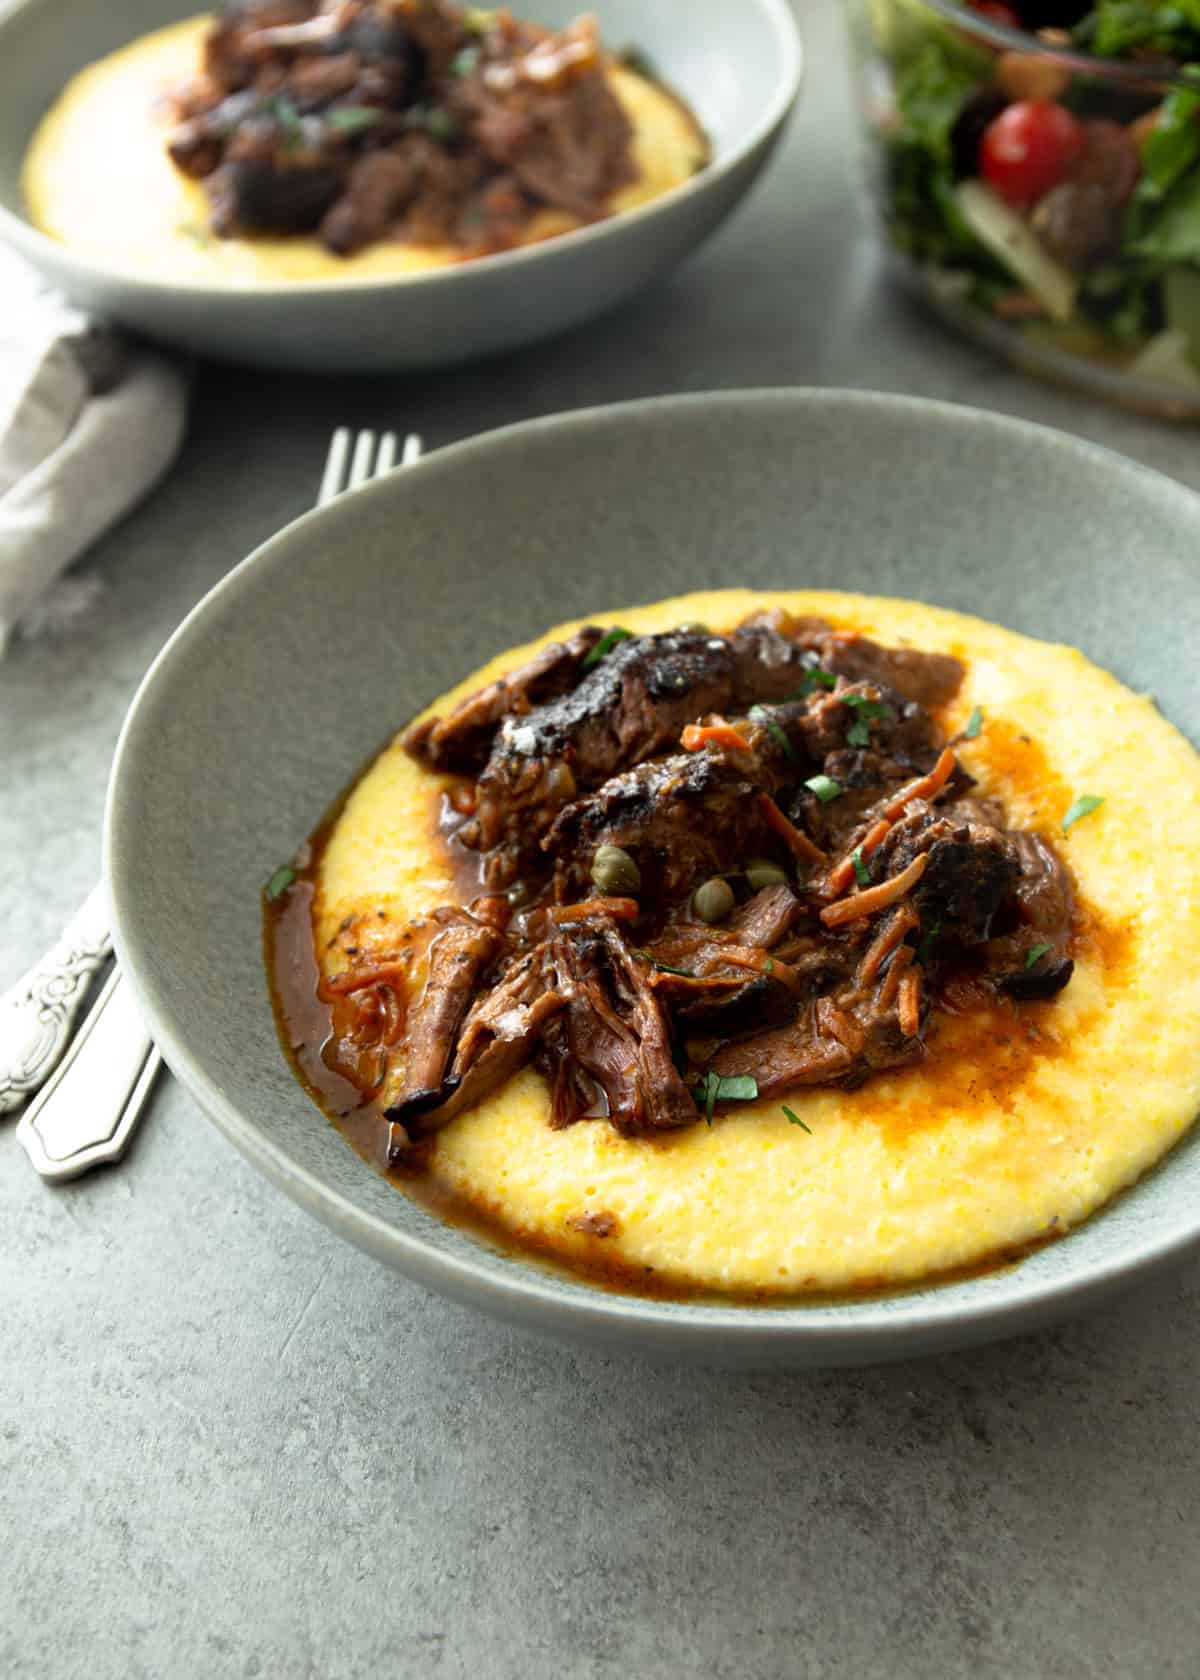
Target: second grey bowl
737,64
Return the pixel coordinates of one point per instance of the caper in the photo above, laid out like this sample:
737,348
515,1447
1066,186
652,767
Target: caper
615,873
761,872
693,627
713,901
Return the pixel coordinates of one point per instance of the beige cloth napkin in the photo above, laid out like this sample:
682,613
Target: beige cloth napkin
87,425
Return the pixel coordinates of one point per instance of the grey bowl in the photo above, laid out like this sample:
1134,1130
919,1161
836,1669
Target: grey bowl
283,680
739,66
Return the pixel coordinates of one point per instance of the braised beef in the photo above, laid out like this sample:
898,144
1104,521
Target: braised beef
416,119
785,750
258,195
457,956
680,818
610,1050
1044,915
463,740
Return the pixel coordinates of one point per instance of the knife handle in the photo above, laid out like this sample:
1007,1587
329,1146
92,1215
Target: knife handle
37,1013
87,1110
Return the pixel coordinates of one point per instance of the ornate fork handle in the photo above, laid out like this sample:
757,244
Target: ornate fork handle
37,1013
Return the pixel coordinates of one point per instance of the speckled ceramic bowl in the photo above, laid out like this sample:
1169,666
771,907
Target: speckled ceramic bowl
737,62
284,679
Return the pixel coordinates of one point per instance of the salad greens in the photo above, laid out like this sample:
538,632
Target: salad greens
1107,262
1115,28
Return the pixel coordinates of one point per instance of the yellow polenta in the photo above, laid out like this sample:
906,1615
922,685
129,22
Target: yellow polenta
1016,1127
98,178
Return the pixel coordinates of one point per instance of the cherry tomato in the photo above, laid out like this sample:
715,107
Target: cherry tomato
1028,149
996,12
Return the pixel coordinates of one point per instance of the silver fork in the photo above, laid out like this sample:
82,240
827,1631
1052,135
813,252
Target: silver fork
91,1088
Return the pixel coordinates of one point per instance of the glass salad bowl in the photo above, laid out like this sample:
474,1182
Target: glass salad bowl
1037,163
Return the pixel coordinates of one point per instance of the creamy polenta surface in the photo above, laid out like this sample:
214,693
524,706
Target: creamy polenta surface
97,177
1020,1123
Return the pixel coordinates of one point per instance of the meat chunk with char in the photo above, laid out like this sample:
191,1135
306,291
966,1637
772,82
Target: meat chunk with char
1044,914
972,873
680,818
632,705
463,740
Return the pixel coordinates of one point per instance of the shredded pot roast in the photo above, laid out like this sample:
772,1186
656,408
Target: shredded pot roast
710,868
361,120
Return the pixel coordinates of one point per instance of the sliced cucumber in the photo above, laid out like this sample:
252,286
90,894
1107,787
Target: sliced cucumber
1013,242
1165,359
1181,294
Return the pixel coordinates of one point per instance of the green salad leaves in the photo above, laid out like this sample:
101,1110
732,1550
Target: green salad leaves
1145,289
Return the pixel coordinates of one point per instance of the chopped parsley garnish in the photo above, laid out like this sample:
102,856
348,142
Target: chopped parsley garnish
280,882
605,645
776,731
1083,807
825,788
793,1119
286,115
1037,952
814,677
866,711
353,119
925,948
861,873
714,1088
864,707
665,968
974,725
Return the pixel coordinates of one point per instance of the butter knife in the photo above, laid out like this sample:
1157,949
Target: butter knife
87,1110
36,1015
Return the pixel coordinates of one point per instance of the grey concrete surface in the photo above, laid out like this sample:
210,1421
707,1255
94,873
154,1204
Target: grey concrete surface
231,1446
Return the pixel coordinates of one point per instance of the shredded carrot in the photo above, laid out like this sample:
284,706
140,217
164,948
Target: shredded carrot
910,1004
894,977
718,734
623,909
354,979
753,956
845,637
833,1022
925,786
885,943
493,911
842,875
874,899
795,837
1017,306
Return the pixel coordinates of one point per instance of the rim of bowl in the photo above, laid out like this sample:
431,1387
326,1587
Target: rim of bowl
791,68
933,1313
997,34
